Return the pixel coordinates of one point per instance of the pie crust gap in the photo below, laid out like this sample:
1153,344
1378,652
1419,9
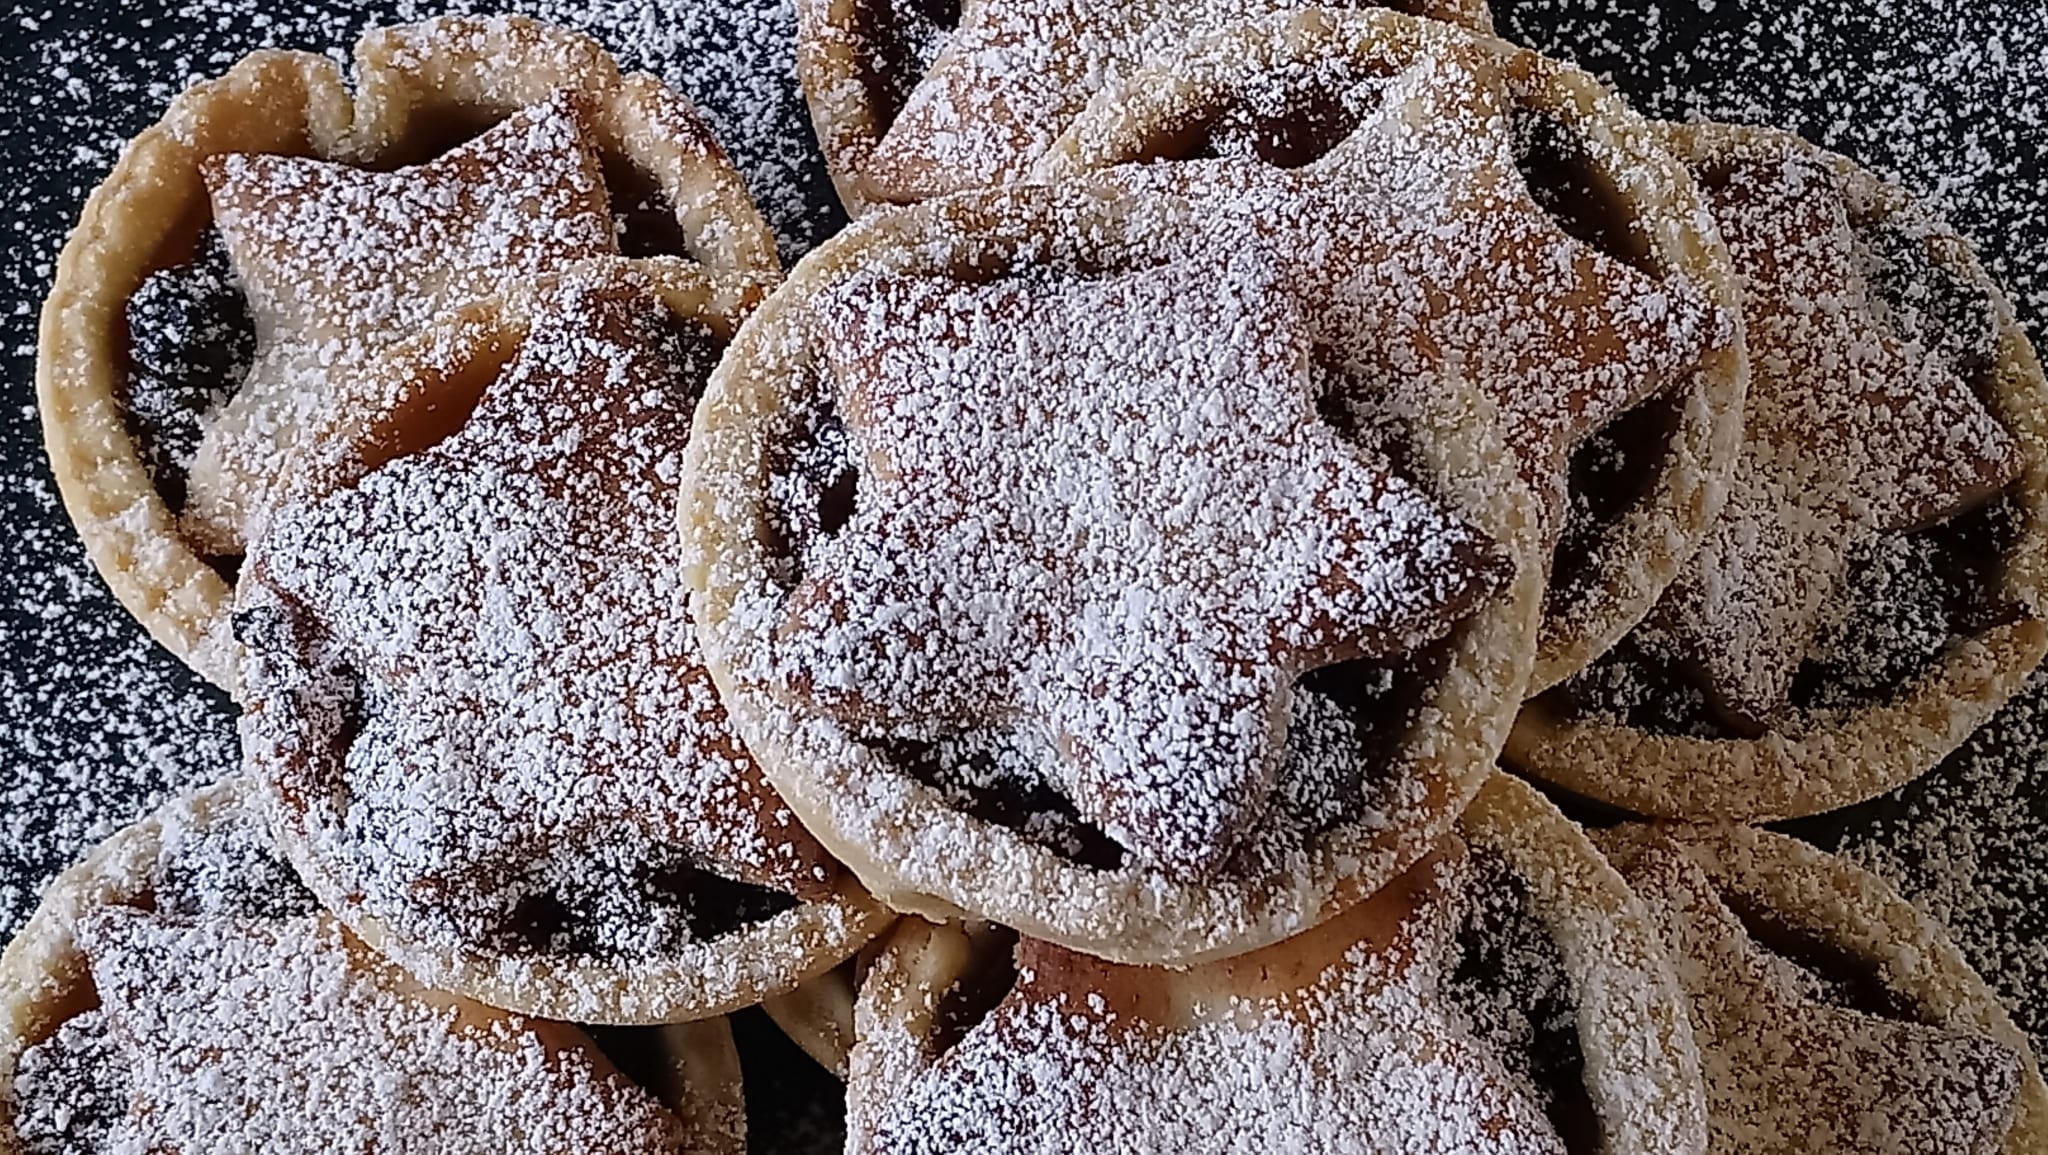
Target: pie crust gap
474,696
178,990
917,510
1875,588
921,98
818,1016
1392,1027
235,233
1830,1014
1578,285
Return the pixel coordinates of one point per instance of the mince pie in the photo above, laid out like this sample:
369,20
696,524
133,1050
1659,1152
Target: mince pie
1831,1016
818,1016
1509,997
474,695
258,246
179,991
1454,208
918,98
1041,588
1874,588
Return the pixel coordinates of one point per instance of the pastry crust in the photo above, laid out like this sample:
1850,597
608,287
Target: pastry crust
921,855
1638,553
841,61
764,958
1847,756
417,84
1641,1066
46,977
1848,907
818,1016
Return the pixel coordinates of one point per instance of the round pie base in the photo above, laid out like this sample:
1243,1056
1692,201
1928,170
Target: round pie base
416,83
1849,907
912,849
46,979
1639,553
1842,757
838,59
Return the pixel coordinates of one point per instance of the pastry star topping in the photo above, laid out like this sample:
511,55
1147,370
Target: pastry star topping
339,263
289,1037
1427,256
536,698
1333,1041
1787,1072
1017,71
1105,507
1853,431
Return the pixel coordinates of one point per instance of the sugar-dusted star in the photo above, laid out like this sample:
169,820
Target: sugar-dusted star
1016,72
1106,507
1427,257
340,263
507,594
1337,1040
1788,1071
1853,431
287,1036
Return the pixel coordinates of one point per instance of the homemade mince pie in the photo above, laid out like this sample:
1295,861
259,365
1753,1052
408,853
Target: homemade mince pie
915,98
1508,996
1874,588
1831,1016
179,991
256,248
1450,207
474,695
1033,576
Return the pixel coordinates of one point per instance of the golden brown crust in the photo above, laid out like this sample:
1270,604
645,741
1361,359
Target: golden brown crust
46,978
839,58
732,971
1844,757
1641,1066
818,1016
1639,553
918,853
416,82
1847,906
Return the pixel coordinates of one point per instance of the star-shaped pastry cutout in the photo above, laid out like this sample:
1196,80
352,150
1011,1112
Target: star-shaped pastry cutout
1016,72
504,587
1336,1040
1425,257
1106,507
340,263
288,1036
1788,1071
1853,431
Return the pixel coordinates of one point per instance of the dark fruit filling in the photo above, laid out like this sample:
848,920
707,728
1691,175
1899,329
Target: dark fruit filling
1840,977
190,343
1611,472
813,486
903,38
1510,980
632,909
997,778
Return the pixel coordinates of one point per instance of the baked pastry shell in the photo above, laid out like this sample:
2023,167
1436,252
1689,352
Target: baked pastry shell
1840,903
415,84
46,978
1640,552
1641,1066
920,855
838,58
1845,756
703,980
